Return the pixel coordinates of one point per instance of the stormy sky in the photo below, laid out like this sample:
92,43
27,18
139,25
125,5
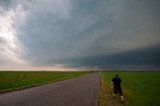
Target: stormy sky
79,34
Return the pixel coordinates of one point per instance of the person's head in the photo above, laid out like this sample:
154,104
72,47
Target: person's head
116,75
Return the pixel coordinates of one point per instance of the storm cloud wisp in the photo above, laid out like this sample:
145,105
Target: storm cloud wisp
79,34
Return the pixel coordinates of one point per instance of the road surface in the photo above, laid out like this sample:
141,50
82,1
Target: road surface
81,91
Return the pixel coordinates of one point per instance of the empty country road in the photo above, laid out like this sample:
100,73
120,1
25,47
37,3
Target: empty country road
81,91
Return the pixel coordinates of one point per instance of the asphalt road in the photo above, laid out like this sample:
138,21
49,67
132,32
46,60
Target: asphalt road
81,91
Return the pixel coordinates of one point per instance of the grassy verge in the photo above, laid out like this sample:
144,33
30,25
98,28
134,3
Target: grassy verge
105,93
139,88
15,80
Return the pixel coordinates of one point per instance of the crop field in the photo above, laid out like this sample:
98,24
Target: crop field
139,89
14,80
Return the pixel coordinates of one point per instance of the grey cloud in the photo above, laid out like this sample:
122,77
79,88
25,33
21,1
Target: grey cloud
135,60
5,3
89,32
2,40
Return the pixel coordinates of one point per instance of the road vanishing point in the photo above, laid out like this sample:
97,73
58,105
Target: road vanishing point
81,91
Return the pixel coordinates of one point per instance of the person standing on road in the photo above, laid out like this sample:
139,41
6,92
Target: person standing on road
117,87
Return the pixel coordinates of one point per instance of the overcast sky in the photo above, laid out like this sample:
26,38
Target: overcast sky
79,34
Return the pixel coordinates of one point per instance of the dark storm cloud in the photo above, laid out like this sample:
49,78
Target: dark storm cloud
90,32
145,56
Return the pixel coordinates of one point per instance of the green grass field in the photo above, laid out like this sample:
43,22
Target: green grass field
14,80
139,89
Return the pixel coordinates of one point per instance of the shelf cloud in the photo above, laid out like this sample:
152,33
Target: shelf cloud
79,34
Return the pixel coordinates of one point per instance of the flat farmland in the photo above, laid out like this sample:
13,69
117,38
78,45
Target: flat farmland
15,80
139,89
79,91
